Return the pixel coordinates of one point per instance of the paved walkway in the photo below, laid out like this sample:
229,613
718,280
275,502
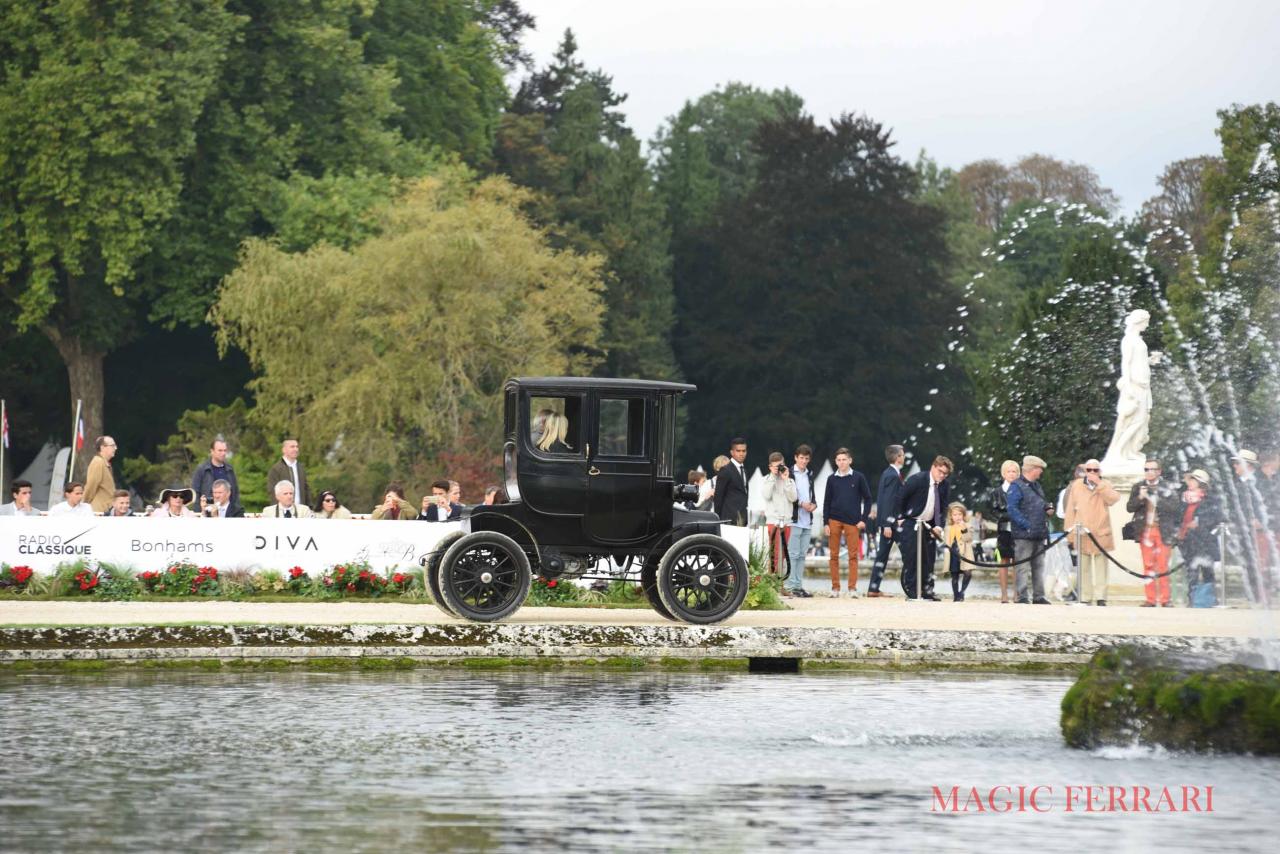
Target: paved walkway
883,614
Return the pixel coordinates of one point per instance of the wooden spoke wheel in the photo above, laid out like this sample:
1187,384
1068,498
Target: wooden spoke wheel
649,583
702,579
431,568
485,576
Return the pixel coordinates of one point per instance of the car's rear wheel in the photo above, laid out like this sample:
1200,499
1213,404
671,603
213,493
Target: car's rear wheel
431,568
649,583
702,579
485,576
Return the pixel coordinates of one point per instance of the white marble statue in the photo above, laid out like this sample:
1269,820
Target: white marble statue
1133,409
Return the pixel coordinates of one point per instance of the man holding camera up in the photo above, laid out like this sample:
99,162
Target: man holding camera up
437,507
779,492
1154,505
221,506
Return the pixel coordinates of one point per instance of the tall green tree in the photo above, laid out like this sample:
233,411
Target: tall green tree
449,58
99,108
565,137
141,142
397,361
295,98
815,313
704,158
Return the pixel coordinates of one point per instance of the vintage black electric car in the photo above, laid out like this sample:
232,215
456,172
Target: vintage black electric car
592,490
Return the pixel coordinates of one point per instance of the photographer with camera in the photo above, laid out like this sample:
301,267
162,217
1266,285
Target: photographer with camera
220,506
779,492
437,507
1154,505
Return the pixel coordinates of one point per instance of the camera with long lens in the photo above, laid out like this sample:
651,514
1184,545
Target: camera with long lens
682,492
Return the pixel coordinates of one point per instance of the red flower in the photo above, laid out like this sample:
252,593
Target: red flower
398,578
364,573
173,569
213,572
351,586
551,583
21,573
296,572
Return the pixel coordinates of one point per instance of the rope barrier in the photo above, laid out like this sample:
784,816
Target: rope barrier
1143,575
1043,548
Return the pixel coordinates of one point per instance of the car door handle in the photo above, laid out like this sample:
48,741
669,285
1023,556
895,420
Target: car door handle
593,471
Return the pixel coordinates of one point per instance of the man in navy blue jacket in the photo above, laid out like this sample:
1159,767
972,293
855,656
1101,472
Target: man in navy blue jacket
886,500
923,501
846,506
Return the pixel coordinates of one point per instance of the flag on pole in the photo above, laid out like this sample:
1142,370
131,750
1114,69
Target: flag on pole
80,435
4,427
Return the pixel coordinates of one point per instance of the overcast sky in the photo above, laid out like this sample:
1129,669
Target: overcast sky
1125,86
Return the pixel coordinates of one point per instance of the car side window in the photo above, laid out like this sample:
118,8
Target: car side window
622,427
555,425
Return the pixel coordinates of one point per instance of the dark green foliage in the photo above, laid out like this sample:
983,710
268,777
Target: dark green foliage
449,59
815,308
565,138
1126,694
252,453
704,158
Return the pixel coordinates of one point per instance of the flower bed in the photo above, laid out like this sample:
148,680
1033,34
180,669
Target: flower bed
350,580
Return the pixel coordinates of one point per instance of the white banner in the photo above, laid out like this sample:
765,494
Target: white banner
141,543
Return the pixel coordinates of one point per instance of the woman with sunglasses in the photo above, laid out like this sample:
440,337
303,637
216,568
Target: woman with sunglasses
1088,502
329,508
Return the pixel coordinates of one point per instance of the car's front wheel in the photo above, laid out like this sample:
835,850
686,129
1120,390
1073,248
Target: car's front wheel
485,576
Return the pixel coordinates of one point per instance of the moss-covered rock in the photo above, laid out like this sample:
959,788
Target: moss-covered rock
1126,694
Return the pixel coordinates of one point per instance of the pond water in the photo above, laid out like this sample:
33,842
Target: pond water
578,760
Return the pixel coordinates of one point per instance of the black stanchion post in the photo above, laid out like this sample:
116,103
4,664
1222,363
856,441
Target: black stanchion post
1222,564
1079,562
919,562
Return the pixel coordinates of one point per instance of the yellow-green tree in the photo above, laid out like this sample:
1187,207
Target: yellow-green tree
393,354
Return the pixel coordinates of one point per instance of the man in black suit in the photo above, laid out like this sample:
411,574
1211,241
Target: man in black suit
923,501
731,486
886,500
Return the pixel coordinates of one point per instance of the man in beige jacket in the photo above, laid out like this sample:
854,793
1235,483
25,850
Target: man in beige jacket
99,484
1088,500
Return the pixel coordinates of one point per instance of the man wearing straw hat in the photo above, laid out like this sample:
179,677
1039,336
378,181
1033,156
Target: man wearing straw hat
1088,503
1256,517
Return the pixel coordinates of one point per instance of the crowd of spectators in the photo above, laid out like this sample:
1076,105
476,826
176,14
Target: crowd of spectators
1164,516
214,493
1010,532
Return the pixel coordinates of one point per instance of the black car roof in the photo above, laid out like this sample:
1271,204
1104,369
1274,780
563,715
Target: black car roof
600,382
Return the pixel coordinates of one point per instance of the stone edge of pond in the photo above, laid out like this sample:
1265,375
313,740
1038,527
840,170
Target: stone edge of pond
483,646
